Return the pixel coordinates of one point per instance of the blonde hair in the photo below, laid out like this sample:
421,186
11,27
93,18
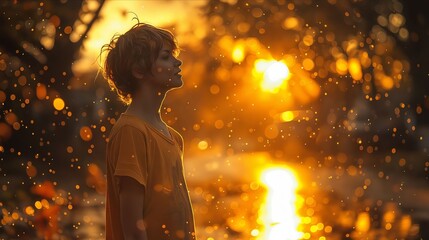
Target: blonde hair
138,47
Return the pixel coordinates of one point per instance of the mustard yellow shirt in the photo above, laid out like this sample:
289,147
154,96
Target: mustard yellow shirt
135,149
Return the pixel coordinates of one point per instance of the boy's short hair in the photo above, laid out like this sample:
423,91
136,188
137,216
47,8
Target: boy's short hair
138,47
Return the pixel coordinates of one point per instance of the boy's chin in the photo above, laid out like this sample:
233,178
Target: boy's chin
178,83
175,85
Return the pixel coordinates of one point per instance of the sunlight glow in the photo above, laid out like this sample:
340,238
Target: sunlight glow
279,213
116,17
274,73
238,53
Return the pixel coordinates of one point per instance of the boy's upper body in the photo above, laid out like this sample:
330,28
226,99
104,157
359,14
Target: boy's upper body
137,150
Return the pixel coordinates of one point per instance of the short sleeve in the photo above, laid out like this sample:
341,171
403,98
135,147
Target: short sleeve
130,154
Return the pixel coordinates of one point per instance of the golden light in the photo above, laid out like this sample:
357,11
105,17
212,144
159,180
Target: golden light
341,66
308,40
238,53
85,133
308,64
15,216
59,104
384,81
45,203
287,116
274,74
279,213
396,19
294,115
291,23
355,69
38,204
41,91
406,223
363,222
29,210
271,131
48,40
203,145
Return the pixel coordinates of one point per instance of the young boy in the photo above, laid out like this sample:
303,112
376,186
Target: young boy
147,197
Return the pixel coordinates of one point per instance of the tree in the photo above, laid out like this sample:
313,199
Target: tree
40,40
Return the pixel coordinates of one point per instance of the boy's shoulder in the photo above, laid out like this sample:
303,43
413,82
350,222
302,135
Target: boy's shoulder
177,136
175,133
126,123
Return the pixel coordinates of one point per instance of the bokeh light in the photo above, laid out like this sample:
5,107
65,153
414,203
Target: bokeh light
59,104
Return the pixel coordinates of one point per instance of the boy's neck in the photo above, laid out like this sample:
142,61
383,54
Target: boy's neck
147,105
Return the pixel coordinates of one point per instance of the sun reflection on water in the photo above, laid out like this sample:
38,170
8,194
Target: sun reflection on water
279,213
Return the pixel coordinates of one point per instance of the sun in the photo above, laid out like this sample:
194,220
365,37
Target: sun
274,74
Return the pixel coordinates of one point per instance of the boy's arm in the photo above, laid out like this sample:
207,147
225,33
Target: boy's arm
131,196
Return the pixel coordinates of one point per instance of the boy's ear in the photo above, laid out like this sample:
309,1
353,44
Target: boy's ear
137,72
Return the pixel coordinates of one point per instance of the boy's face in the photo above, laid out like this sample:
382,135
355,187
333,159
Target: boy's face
166,70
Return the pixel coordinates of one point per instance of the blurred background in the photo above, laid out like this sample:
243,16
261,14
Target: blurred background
302,119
